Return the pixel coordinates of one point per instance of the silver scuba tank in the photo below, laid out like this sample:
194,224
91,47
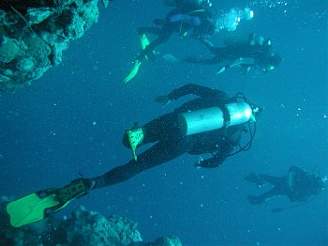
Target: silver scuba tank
239,113
214,118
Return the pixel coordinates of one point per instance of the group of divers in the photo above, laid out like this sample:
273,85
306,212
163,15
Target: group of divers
212,124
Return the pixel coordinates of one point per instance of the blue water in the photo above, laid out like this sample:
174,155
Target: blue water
71,121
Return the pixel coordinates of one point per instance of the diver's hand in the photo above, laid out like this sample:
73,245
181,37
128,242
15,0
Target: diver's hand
163,100
209,163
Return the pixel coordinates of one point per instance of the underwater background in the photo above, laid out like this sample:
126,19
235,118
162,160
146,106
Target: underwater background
70,123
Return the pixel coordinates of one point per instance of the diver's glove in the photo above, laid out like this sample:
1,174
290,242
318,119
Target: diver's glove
212,162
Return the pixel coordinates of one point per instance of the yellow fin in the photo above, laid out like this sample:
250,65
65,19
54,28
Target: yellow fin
134,71
29,209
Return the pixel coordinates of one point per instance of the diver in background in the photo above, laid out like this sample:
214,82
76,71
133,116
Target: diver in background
193,20
185,19
189,18
297,185
254,54
212,124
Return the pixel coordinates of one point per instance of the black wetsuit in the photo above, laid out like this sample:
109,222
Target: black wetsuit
179,20
170,143
256,55
302,186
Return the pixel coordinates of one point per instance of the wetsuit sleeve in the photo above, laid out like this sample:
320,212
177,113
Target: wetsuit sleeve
209,45
196,90
212,162
224,150
218,157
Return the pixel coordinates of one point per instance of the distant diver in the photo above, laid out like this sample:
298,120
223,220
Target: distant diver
254,54
297,185
213,124
188,18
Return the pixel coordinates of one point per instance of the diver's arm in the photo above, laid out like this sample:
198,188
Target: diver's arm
197,90
245,63
212,162
224,150
209,45
242,62
217,159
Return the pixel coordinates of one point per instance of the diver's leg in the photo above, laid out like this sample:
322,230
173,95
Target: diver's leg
163,36
154,156
209,45
217,51
254,178
162,129
275,181
261,179
276,191
205,61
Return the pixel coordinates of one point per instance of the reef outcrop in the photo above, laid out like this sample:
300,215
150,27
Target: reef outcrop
34,34
81,228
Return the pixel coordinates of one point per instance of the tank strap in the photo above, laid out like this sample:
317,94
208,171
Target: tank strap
226,117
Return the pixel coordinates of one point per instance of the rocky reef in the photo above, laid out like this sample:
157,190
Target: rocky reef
34,34
81,228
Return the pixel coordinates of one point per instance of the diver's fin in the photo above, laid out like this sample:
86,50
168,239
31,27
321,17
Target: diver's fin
144,41
135,137
29,209
37,206
133,72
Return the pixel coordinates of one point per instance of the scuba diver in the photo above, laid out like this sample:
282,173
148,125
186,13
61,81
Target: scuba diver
254,54
212,124
297,185
191,18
